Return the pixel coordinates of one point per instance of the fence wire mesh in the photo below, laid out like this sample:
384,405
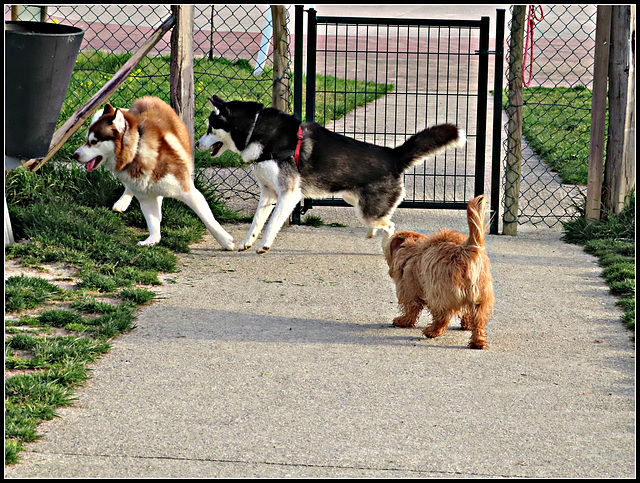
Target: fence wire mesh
232,61
559,42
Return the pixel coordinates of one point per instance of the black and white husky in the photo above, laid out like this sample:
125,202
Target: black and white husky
295,160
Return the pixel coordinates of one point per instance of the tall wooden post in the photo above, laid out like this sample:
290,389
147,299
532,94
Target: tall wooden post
598,112
514,134
619,176
182,88
629,165
280,92
29,13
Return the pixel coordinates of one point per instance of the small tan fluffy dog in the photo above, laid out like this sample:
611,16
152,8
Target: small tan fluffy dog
446,272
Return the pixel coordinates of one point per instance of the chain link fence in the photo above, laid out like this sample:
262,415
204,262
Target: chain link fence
232,59
558,53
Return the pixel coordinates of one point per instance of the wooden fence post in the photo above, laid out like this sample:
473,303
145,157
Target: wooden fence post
29,13
514,134
629,165
619,171
280,92
598,112
182,88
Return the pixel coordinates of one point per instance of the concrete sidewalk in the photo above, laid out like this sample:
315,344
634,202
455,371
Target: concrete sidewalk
286,365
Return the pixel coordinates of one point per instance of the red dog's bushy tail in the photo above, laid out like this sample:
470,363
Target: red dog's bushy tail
475,218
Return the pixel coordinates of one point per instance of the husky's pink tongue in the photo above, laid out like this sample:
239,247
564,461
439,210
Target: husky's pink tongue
215,148
91,165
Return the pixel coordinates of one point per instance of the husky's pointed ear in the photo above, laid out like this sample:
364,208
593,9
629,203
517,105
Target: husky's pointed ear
96,116
108,109
216,102
119,122
215,110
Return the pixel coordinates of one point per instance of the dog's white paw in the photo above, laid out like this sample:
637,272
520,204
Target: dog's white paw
119,208
228,245
262,250
149,242
246,244
225,240
121,205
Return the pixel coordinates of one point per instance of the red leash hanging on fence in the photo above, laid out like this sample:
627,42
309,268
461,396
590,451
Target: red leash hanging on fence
529,34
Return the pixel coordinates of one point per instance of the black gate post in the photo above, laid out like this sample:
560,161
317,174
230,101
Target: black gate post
297,61
497,123
483,81
311,66
297,82
310,115
311,84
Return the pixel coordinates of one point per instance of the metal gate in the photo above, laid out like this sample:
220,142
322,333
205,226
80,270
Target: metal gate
439,73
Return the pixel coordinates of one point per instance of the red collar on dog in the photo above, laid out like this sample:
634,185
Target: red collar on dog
297,154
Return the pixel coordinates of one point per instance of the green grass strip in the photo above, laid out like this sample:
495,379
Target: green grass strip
557,126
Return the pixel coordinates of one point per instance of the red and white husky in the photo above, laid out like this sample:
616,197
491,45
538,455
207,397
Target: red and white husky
147,147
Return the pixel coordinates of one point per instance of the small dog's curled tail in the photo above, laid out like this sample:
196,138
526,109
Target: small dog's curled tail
429,142
475,218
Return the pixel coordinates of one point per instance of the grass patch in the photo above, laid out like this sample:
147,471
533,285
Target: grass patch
137,296
316,222
59,317
21,292
313,220
557,125
612,240
58,214
58,365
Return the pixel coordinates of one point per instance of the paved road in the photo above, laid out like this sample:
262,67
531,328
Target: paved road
286,365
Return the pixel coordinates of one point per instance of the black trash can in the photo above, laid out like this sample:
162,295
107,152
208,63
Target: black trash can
39,61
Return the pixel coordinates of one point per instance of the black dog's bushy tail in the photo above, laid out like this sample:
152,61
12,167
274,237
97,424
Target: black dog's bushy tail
429,142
